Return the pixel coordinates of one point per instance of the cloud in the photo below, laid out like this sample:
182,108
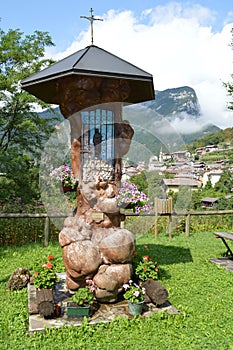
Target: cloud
177,44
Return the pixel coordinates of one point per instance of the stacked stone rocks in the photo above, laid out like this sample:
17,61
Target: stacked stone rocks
101,254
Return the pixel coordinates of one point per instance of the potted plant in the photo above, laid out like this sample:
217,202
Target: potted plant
134,293
44,279
129,197
63,175
81,302
147,269
147,272
45,276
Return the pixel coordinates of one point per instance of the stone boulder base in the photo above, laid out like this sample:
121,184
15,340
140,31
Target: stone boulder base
81,258
110,279
117,246
102,254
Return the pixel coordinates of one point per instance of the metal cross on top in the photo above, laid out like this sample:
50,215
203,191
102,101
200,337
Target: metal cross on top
91,18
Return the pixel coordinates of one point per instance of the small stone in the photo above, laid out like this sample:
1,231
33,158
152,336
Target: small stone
18,279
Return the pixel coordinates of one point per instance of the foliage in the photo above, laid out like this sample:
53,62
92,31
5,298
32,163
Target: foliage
140,180
21,56
22,131
84,295
19,180
149,182
225,183
147,269
224,203
134,292
45,273
129,194
63,174
216,138
21,231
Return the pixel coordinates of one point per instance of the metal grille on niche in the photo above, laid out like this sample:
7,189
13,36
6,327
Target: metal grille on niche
97,144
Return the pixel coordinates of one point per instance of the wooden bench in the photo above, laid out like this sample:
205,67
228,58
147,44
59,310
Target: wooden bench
224,236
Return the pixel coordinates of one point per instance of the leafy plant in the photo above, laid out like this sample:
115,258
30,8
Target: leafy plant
45,274
129,195
84,295
147,269
64,174
134,292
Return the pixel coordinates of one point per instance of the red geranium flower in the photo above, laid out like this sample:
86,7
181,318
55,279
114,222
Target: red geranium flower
50,257
49,265
36,273
146,258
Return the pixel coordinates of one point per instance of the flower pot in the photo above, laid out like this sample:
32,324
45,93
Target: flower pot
66,189
135,309
127,206
76,311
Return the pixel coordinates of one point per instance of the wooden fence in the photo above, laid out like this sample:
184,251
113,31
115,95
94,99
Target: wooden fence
155,214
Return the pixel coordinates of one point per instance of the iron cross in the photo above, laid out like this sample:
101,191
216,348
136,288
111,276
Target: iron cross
91,18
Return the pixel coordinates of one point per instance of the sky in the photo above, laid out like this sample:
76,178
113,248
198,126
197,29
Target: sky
182,43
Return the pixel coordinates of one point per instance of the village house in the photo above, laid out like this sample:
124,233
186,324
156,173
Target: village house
213,176
174,184
205,149
181,155
208,202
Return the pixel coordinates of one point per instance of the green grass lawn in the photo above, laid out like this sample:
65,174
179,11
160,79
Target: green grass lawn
202,291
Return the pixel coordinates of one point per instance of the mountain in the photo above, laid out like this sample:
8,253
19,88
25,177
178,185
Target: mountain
168,122
175,101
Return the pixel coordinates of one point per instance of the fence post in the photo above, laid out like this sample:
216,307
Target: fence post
187,225
156,218
46,231
170,226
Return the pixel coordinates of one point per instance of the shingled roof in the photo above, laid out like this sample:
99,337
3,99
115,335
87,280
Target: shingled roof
91,61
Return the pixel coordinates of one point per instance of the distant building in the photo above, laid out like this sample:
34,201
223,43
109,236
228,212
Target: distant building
174,184
155,165
208,202
129,171
178,155
213,176
160,167
205,149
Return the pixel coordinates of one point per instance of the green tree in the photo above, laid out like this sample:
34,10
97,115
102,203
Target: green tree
140,181
225,183
148,182
22,131
21,56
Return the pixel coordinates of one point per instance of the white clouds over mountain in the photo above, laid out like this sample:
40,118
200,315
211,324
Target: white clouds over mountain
178,45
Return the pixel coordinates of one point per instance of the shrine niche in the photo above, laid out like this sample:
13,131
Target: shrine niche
90,88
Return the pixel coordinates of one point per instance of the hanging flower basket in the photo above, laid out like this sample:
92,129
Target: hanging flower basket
64,176
129,197
65,188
